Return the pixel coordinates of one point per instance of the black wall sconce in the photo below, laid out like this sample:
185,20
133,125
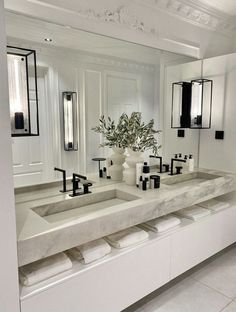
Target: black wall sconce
23,92
70,121
192,104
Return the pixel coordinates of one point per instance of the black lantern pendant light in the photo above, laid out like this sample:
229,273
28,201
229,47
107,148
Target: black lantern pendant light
201,103
192,104
23,93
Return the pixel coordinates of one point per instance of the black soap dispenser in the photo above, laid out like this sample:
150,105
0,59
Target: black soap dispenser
146,170
146,176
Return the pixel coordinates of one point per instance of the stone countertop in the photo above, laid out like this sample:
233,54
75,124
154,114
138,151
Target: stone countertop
38,238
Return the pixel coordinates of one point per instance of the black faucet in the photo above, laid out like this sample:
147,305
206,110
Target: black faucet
160,158
64,178
76,179
172,164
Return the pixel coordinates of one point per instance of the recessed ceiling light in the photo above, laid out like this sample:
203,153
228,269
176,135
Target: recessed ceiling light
48,39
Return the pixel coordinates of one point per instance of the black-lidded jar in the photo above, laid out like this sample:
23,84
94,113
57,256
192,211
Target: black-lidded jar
155,181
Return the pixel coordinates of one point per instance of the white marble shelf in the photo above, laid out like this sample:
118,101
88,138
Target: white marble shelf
79,268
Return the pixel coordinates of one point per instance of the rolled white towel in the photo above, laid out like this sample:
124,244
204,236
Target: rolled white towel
91,251
214,204
43,269
194,212
127,237
162,224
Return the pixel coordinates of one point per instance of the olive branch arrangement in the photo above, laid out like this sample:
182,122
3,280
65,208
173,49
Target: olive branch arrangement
130,132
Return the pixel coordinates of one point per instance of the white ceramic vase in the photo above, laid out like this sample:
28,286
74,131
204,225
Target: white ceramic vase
116,169
130,163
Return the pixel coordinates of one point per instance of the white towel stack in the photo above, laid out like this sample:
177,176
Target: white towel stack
127,237
194,212
214,204
43,269
91,251
162,224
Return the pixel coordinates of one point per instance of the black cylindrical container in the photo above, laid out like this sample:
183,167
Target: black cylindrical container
144,185
155,181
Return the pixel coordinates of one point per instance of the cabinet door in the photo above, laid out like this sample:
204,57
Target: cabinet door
110,286
202,239
228,227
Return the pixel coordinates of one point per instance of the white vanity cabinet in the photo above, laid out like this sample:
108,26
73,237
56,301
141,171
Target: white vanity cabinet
126,276
108,286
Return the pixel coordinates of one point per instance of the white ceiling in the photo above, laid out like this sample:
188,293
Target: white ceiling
31,29
225,6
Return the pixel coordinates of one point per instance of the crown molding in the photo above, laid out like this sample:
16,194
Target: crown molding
195,12
121,16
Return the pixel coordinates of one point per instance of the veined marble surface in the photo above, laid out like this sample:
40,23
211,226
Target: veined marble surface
39,237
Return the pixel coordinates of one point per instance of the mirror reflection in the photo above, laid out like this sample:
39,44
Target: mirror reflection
108,77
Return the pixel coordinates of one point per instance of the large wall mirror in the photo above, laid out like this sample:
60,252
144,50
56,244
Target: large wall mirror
109,77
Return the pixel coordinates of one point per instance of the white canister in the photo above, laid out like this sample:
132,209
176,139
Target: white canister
139,172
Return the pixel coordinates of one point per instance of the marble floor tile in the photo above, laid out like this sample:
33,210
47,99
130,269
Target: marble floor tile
186,296
230,308
220,274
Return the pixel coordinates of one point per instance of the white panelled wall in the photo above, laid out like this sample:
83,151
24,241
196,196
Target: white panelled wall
104,85
32,156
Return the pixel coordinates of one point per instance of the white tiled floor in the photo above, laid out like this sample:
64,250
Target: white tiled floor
210,287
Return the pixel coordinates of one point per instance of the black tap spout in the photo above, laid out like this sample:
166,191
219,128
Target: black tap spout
160,159
64,178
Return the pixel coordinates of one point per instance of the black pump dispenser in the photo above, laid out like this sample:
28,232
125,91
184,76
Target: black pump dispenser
146,168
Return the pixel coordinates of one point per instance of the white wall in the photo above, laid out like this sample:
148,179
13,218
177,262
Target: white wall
171,143
220,154
33,156
213,154
9,293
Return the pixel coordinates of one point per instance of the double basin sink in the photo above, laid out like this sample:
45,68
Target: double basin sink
81,206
